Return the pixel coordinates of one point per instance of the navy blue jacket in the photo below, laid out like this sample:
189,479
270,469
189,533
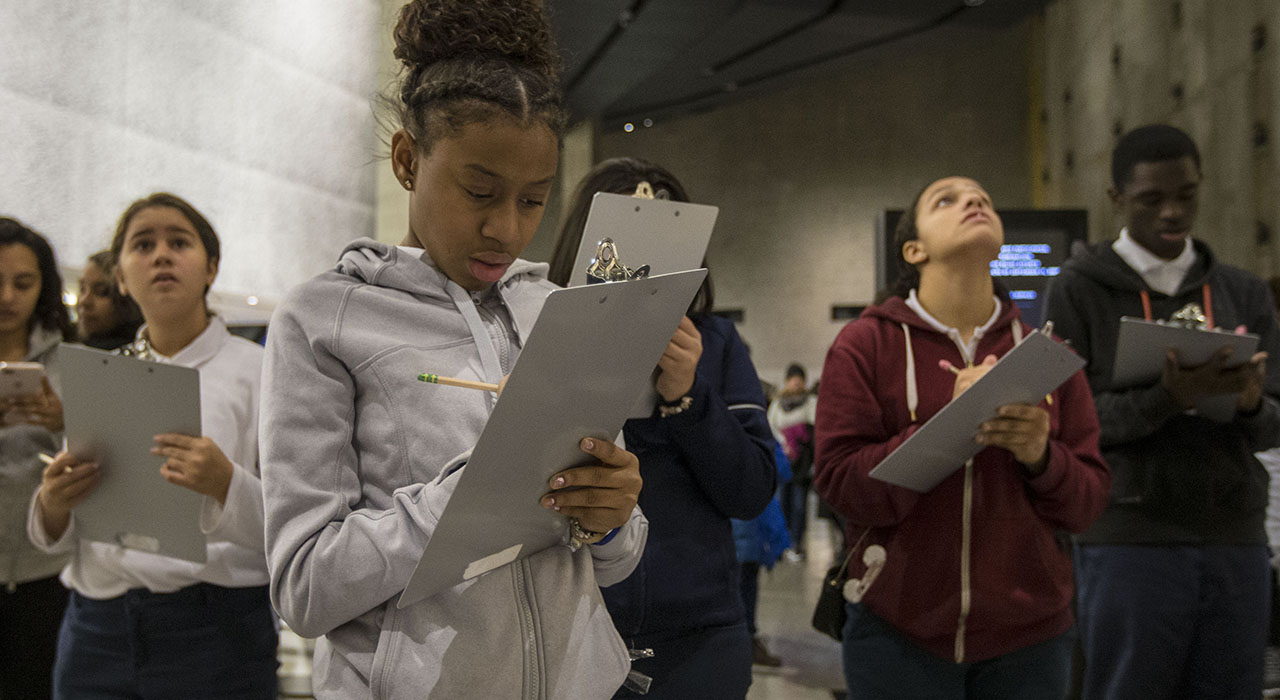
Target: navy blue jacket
701,467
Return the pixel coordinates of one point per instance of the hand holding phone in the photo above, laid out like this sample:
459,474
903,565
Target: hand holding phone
27,397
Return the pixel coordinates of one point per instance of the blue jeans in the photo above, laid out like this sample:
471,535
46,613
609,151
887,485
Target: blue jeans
1173,622
712,663
882,664
202,641
795,510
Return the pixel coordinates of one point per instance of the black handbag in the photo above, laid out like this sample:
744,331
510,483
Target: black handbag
829,614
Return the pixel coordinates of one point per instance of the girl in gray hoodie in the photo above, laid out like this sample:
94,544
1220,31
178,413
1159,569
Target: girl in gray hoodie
359,461
33,322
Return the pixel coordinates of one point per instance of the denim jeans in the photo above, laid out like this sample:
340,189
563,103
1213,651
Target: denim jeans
882,664
202,641
1173,621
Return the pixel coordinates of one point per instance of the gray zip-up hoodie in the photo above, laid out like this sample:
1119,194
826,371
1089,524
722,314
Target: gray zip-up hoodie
20,471
358,461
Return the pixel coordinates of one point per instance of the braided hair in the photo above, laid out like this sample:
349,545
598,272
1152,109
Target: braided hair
468,61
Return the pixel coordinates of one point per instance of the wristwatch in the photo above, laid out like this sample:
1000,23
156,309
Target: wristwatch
579,536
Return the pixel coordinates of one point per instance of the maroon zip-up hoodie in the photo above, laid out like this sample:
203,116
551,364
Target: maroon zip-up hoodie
966,581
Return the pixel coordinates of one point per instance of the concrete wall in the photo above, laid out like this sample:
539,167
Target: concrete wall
800,173
1107,66
257,112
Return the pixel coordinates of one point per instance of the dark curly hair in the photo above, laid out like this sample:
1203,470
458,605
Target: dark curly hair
1150,144
50,312
468,61
619,176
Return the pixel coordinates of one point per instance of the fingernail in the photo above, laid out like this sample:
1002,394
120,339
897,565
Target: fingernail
588,444
558,482
549,502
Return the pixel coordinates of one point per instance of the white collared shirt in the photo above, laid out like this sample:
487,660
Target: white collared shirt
230,380
1164,276
970,347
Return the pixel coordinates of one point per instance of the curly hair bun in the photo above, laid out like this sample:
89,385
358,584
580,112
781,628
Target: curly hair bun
430,31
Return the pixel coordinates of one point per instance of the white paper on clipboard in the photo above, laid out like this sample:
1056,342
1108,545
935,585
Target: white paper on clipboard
112,407
1142,346
590,346
1025,374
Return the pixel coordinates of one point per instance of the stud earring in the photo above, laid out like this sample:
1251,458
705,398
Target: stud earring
408,184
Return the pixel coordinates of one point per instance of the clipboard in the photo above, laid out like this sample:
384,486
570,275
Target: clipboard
1037,366
112,408
1142,346
590,351
667,236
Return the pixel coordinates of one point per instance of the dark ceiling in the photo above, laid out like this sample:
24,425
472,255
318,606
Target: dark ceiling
633,59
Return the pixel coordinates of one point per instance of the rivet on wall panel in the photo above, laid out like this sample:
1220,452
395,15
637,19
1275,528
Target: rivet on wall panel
1044,176
1261,135
1259,37
1263,234
1066,96
1115,59
1069,161
1117,128
1176,91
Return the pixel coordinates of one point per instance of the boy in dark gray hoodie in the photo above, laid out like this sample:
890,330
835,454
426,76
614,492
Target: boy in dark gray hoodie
1172,580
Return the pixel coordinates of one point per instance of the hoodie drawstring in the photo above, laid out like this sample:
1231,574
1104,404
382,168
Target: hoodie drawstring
913,397
1205,295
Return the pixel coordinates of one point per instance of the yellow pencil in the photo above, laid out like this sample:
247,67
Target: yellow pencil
462,383
48,459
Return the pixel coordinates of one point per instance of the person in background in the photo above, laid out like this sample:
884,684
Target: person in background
106,319
760,542
791,416
1270,459
33,322
1173,580
142,625
360,459
706,456
974,597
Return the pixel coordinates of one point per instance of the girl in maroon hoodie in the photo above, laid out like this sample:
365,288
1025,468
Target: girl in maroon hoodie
975,594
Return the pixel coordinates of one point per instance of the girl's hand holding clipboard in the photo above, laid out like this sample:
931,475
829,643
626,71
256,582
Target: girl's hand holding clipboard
64,484
600,496
193,463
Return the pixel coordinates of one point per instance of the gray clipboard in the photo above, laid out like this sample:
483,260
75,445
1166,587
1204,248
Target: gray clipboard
590,345
1025,374
112,407
667,236
1142,346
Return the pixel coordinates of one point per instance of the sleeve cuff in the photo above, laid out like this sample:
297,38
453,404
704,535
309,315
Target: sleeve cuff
37,534
1054,471
213,515
607,538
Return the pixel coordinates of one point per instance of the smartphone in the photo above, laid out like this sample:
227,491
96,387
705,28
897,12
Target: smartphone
20,379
